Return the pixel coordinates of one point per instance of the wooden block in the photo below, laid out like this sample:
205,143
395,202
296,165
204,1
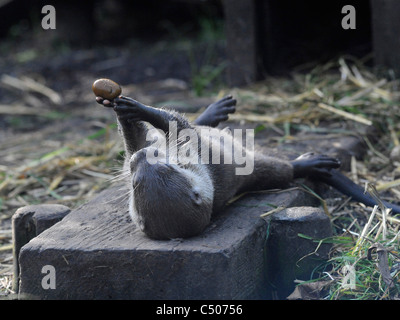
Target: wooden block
27,223
97,253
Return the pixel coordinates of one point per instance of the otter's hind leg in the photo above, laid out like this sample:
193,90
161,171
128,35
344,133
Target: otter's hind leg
217,112
272,172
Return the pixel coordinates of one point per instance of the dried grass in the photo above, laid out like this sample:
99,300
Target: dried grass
43,171
346,91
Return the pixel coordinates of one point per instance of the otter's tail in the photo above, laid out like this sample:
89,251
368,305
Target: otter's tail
349,188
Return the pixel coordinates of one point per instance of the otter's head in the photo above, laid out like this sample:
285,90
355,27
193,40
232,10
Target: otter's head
167,200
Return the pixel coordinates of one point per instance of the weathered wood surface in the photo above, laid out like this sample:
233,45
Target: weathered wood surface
98,253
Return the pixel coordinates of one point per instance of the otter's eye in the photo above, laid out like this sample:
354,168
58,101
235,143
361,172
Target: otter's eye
196,197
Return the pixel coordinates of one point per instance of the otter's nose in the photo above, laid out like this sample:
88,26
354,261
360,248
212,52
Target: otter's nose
137,158
141,166
145,172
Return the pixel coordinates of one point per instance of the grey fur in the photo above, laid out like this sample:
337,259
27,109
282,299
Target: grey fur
177,201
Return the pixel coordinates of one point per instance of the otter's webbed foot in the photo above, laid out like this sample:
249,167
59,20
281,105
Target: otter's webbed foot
217,112
314,166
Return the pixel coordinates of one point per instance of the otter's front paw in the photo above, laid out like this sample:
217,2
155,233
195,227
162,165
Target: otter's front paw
128,109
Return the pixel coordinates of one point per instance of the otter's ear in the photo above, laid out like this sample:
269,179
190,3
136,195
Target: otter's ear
196,198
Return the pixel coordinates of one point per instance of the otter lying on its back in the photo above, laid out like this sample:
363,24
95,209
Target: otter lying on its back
175,198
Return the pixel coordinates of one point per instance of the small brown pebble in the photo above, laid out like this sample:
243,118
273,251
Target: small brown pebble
106,89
